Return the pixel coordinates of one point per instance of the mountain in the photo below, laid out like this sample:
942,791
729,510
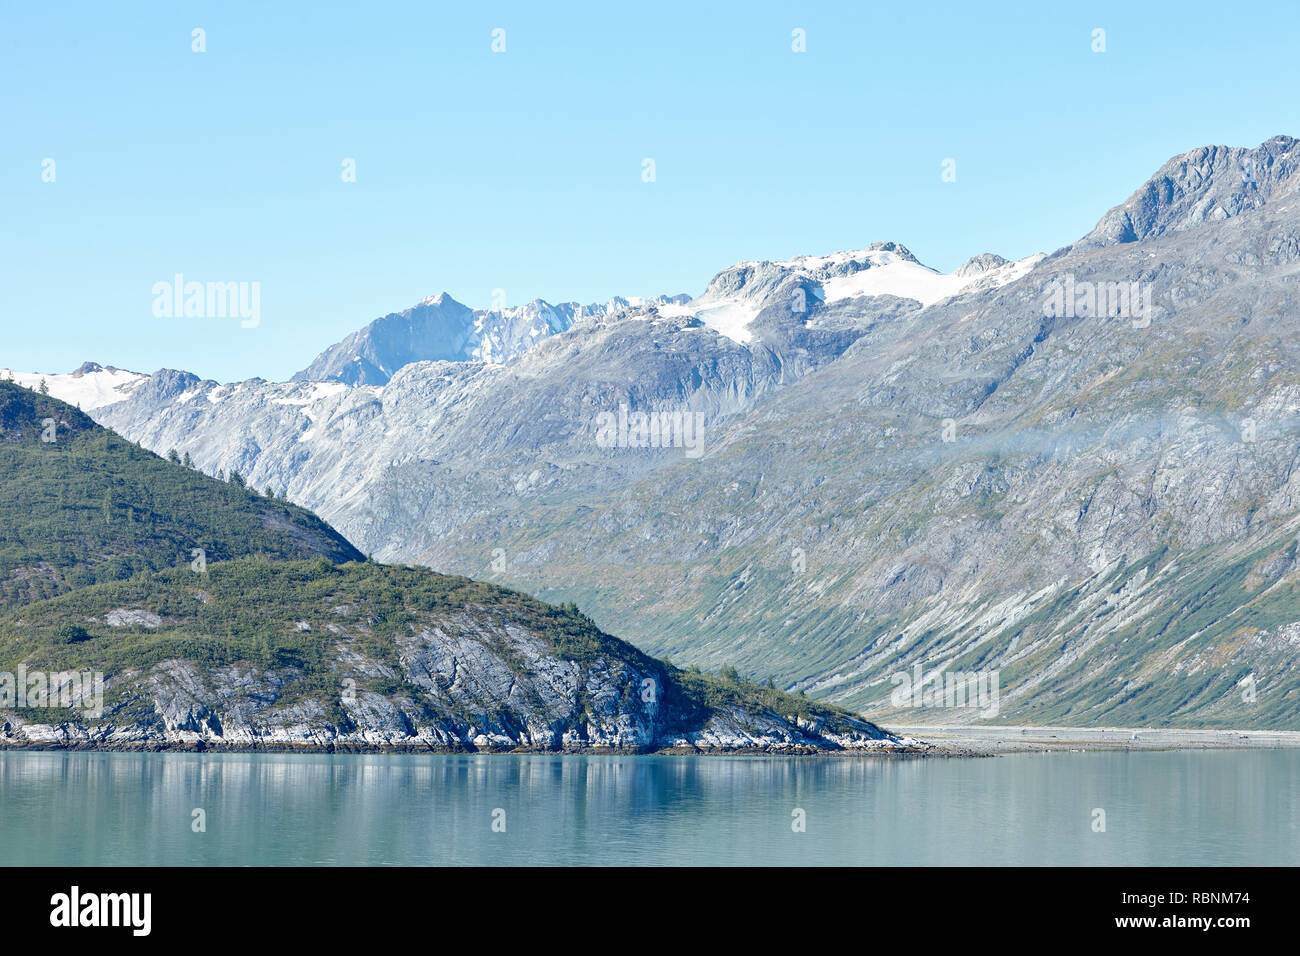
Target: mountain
400,466
79,505
89,387
1110,525
441,329
985,472
253,646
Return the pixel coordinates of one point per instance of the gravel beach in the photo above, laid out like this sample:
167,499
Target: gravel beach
1008,739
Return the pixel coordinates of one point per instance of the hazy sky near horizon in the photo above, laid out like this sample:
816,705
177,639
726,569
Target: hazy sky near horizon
522,170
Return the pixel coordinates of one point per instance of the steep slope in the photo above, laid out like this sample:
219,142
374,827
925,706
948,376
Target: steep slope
1205,185
78,504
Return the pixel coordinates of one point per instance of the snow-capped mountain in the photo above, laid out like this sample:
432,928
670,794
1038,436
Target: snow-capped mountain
90,387
335,433
735,296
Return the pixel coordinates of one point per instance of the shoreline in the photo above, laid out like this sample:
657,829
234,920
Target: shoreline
973,740
933,741
912,749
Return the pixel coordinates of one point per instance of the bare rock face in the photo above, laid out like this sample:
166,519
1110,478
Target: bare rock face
122,617
978,265
1204,185
480,677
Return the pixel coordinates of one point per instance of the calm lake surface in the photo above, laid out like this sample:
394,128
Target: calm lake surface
1175,808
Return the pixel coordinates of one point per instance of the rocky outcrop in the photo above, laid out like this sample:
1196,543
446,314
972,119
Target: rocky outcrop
493,672
978,265
457,694
1204,185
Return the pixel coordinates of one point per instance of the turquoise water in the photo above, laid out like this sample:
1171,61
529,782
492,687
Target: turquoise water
1190,808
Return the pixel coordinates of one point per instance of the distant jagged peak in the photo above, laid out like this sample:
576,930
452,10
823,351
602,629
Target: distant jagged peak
439,328
440,300
760,277
978,265
873,255
1206,184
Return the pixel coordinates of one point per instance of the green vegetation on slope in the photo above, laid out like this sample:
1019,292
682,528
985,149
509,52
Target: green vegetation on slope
248,611
80,505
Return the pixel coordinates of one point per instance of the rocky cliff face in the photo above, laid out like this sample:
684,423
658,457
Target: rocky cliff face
1205,185
176,704
465,669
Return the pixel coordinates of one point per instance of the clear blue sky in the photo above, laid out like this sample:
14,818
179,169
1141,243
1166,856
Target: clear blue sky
522,170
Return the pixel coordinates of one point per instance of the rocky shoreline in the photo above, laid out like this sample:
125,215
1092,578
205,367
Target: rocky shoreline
170,721
908,749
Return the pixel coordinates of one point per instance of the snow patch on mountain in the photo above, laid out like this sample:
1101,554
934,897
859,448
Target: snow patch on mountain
91,386
310,393
892,275
737,295
887,274
730,317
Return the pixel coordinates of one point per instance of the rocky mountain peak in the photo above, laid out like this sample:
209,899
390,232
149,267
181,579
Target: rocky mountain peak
978,265
897,248
441,299
1206,184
